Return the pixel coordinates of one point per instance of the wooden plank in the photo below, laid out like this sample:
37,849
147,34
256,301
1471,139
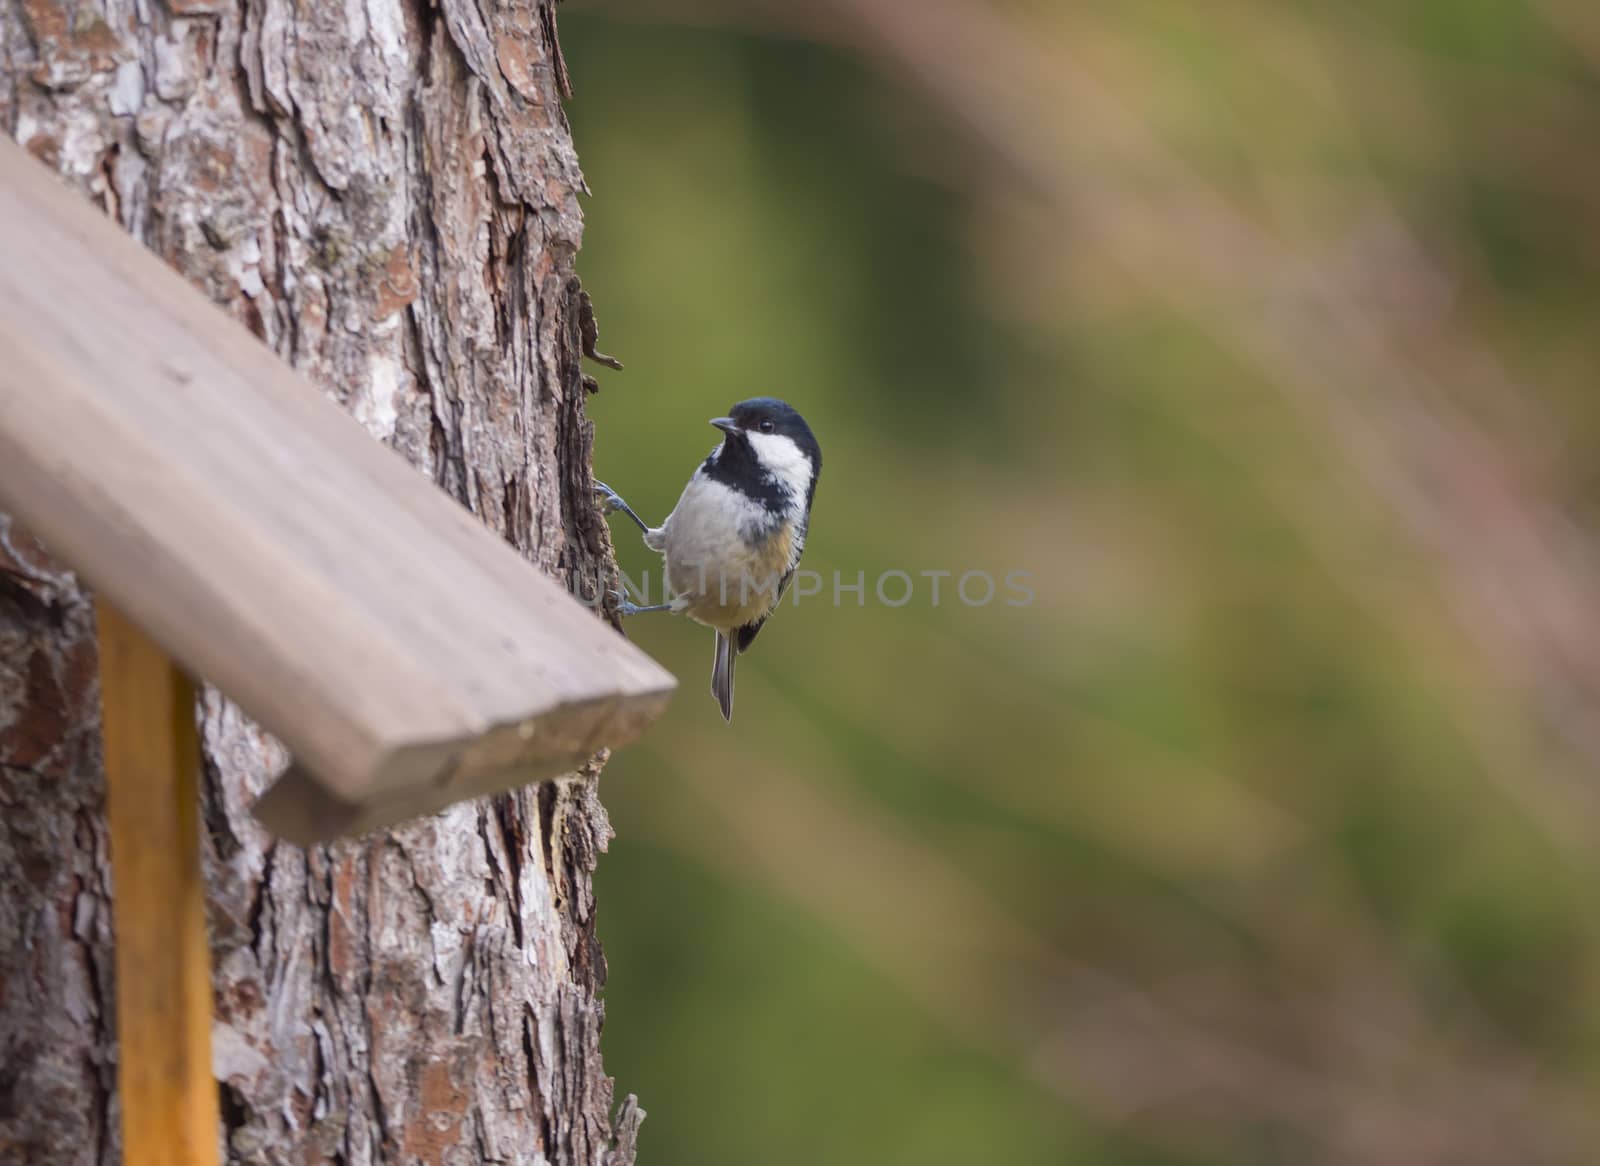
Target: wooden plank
168,1095
268,542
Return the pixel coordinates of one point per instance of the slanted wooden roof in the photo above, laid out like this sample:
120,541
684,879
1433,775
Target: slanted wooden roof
404,653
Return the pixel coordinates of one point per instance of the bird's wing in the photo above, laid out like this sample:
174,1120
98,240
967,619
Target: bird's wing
748,633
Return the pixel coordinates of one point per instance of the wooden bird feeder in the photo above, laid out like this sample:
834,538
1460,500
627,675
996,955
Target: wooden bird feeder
236,525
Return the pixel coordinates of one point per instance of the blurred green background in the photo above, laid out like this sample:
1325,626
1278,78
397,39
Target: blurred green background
1263,335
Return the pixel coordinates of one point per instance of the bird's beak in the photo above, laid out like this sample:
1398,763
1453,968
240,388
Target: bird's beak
726,424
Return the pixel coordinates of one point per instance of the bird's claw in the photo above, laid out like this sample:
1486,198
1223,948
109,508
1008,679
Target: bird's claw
626,607
611,503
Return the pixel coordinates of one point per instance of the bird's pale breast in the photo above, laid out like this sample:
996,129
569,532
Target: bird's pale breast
725,555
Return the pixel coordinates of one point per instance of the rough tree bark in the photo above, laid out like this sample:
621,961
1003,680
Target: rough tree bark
385,192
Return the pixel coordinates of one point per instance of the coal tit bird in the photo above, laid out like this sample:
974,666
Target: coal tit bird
733,541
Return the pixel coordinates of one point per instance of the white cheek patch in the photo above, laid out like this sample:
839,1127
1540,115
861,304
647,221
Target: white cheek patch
784,460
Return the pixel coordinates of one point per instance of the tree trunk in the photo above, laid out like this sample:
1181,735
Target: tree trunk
386,194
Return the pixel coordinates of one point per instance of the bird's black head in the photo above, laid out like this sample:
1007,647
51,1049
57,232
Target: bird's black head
768,415
768,449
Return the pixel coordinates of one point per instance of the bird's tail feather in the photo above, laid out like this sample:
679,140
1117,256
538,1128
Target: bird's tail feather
722,675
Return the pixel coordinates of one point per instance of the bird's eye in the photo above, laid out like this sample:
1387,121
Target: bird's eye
767,427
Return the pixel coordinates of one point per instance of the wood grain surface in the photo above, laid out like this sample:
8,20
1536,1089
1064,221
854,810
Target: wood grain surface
402,652
169,1097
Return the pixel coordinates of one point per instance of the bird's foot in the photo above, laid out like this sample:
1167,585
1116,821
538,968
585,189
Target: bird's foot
627,607
611,502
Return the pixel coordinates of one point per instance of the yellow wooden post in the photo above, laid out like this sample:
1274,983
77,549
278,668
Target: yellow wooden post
169,1097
